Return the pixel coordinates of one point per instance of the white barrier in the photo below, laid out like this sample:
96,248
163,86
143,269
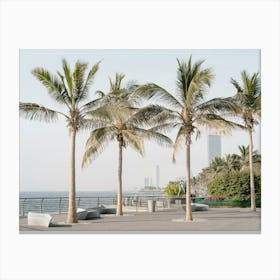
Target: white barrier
38,219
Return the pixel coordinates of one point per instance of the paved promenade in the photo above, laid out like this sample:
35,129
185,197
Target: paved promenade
216,220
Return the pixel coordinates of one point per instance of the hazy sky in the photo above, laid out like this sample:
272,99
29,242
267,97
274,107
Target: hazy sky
44,147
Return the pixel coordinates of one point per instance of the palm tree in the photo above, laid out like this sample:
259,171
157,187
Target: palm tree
231,163
244,157
188,110
217,166
248,107
67,89
125,124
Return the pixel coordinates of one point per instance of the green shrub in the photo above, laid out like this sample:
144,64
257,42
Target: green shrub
172,188
228,203
234,186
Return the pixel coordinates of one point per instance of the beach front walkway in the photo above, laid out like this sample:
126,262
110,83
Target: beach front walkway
216,220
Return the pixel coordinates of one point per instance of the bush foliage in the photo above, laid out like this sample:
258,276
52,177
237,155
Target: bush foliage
228,203
172,188
234,186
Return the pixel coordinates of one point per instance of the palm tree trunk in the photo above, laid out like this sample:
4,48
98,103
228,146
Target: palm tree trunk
119,195
72,213
252,185
188,182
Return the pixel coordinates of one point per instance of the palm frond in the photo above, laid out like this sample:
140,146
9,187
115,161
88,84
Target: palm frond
248,98
65,91
78,78
182,73
86,124
165,127
90,79
94,104
246,81
159,138
192,81
166,116
110,113
96,143
236,85
257,85
257,106
33,111
216,122
206,76
199,80
52,84
219,105
215,125
180,137
68,76
115,85
152,115
154,91
134,140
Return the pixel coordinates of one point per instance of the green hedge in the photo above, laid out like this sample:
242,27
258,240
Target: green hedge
228,203
234,186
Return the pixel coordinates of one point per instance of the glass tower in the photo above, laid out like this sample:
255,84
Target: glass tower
214,147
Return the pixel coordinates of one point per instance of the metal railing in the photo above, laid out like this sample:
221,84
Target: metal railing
58,205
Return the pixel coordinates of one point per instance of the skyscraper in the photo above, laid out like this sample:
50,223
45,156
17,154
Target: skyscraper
214,147
157,176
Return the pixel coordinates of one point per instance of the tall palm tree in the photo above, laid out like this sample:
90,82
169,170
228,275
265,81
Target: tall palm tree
125,124
248,107
188,110
68,89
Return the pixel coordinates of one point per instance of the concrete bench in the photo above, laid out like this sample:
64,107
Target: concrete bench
201,207
87,214
81,214
197,207
39,219
108,210
104,209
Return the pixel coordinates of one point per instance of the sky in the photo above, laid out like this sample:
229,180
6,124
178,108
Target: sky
45,147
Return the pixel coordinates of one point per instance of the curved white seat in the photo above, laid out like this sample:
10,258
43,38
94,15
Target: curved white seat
81,214
104,209
201,207
85,214
39,219
198,207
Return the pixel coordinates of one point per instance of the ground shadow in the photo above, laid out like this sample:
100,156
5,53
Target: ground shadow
59,225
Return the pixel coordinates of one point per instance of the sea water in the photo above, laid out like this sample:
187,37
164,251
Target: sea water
50,194
57,201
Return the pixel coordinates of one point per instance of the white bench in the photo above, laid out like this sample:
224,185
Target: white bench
86,214
201,207
38,219
197,207
104,209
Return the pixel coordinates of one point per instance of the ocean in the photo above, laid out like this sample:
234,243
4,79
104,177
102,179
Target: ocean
57,201
49,194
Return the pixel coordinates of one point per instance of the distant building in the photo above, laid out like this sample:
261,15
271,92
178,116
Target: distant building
214,147
157,176
148,182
